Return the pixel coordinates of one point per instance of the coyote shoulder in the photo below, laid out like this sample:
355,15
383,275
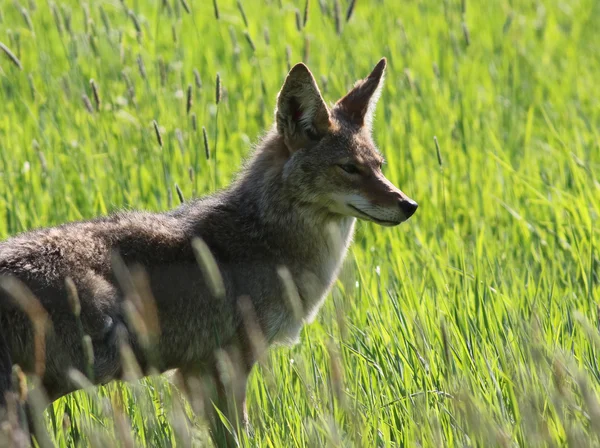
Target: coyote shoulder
221,276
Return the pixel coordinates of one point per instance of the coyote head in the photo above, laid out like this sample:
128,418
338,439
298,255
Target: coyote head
332,161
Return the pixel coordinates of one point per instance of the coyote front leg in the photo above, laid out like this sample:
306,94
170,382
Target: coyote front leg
10,432
229,379
230,399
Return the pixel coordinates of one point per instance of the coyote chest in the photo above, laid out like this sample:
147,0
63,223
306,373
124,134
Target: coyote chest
314,281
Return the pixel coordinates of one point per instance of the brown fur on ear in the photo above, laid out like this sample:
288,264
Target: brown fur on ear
301,113
359,104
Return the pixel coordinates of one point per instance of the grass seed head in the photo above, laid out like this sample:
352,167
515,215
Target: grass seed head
88,349
240,7
105,19
350,10
256,338
179,194
438,151
305,16
96,94
250,42
27,19
73,296
92,41
19,380
57,18
15,60
66,14
206,147
466,34
209,267
186,7
298,21
135,21
337,13
337,372
197,79
218,89
141,66
158,134
216,9
87,103
233,36
188,103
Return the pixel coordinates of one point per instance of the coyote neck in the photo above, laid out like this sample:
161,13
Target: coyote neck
304,237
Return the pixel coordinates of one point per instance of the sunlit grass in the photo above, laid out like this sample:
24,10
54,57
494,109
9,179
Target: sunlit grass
475,323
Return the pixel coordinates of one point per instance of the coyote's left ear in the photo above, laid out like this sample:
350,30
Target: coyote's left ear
301,113
359,104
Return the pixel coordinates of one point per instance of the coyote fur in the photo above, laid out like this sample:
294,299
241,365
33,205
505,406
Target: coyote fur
213,282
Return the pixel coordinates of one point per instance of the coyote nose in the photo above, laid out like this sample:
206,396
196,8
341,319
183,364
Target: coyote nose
408,207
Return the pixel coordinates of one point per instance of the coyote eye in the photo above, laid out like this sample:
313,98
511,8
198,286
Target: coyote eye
350,168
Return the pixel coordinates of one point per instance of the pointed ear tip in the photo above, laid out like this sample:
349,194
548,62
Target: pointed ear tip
381,65
379,69
300,67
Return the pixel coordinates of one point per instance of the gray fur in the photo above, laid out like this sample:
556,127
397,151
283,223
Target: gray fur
277,213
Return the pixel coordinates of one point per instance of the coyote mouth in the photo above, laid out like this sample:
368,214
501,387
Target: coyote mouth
382,222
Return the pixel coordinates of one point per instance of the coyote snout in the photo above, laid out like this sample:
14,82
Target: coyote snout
377,200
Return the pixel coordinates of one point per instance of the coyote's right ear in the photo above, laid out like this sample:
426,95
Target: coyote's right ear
301,113
359,104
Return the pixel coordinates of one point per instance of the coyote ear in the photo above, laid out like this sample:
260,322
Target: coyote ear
359,104
301,113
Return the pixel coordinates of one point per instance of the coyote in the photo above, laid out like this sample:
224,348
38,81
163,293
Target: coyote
212,283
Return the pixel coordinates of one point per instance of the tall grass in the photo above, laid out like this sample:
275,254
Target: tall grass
475,323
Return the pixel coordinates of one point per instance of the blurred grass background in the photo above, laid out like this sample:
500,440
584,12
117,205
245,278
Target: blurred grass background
474,324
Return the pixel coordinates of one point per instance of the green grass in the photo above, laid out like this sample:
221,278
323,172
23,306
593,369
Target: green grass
473,324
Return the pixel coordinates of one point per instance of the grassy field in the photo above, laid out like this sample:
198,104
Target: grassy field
476,323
